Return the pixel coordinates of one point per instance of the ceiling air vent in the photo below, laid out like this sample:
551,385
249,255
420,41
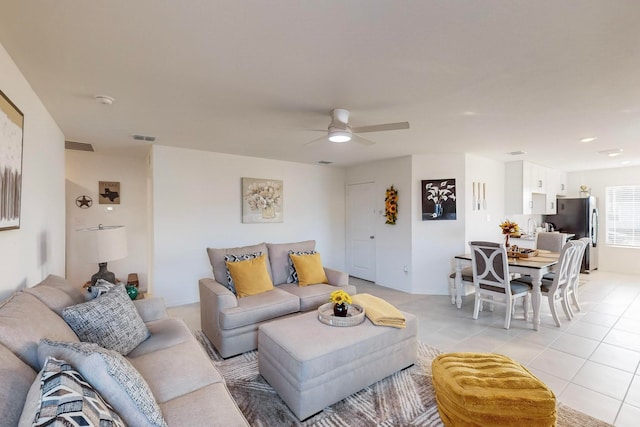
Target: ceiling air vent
325,162
143,138
80,146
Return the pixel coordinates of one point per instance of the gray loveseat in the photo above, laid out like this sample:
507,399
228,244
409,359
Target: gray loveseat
231,323
185,384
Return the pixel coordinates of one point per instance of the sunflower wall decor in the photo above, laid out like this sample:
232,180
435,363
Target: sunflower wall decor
391,205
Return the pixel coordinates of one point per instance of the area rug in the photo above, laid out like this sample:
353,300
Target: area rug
405,398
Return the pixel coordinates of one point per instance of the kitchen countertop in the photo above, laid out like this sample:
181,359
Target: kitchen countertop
533,238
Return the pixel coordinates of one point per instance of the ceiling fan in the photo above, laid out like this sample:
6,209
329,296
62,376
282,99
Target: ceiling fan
340,131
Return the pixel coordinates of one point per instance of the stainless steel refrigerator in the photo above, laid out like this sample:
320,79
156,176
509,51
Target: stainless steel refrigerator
579,217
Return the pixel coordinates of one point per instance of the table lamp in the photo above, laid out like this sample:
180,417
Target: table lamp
102,244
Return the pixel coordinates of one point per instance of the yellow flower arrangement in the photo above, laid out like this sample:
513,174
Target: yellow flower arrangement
391,205
340,297
509,227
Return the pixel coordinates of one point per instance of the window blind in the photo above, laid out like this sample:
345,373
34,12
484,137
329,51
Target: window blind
623,215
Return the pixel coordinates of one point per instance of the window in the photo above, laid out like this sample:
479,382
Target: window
623,215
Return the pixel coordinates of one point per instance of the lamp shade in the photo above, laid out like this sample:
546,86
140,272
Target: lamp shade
104,243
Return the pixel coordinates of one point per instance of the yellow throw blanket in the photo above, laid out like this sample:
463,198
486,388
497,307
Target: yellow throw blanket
379,311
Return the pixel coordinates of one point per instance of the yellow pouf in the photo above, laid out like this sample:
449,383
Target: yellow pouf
486,389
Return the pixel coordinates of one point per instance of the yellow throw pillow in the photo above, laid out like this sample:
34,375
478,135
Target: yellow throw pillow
250,276
309,269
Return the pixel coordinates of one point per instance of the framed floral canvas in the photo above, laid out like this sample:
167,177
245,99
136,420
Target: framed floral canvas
11,130
262,200
438,199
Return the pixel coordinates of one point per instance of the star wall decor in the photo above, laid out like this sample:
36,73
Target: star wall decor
84,202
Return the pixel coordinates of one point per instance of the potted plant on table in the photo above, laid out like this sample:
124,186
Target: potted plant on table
341,301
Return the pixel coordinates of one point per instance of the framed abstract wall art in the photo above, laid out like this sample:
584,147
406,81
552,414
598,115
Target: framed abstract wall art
438,199
11,131
262,200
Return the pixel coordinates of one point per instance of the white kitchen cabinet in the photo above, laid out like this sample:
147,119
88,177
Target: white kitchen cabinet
532,189
518,195
561,183
538,176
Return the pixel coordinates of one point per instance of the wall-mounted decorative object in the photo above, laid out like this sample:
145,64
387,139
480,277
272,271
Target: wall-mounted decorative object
11,130
484,196
391,205
109,192
262,200
438,199
84,202
479,196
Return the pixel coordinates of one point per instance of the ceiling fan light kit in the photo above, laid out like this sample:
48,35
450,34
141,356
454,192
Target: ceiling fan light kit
340,131
339,135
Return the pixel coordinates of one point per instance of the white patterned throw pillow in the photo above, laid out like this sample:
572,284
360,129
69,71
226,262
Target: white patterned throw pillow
67,399
293,275
237,258
111,374
111,320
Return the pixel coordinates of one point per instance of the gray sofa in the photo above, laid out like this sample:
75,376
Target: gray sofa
231,323
185,384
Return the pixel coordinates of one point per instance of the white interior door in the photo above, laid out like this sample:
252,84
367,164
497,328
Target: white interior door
361,244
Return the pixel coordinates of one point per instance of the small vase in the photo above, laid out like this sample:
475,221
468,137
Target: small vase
506,241
438,210
268,212
340,310
132,291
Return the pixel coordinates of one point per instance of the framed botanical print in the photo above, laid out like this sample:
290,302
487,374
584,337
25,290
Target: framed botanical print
262,200
438,199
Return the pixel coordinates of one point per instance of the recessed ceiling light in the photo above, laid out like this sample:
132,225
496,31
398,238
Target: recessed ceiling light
626,162
611,153
516,153
104,99
589,139
469,113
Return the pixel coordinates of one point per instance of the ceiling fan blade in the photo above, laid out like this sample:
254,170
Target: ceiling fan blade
379,128
322,138
361,140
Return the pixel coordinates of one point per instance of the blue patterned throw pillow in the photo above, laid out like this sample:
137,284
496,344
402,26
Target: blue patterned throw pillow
237,258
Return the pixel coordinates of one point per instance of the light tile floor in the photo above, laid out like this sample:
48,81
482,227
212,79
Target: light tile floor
591,362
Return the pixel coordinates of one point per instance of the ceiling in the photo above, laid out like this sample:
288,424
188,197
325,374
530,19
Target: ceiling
259,78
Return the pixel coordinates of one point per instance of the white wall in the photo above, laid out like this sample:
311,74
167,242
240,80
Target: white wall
37,248
83,172
197,204
435,243
484,224
393,242
611,258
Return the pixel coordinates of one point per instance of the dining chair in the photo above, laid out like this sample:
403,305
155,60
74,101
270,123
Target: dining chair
572,290
550,241
467,282
492,281
557,289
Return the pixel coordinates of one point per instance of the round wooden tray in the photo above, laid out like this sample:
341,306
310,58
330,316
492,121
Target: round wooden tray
355,315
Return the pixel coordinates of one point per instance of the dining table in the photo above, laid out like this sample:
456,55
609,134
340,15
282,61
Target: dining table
536,267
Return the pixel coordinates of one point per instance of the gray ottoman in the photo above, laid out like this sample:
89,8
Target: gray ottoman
312,365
